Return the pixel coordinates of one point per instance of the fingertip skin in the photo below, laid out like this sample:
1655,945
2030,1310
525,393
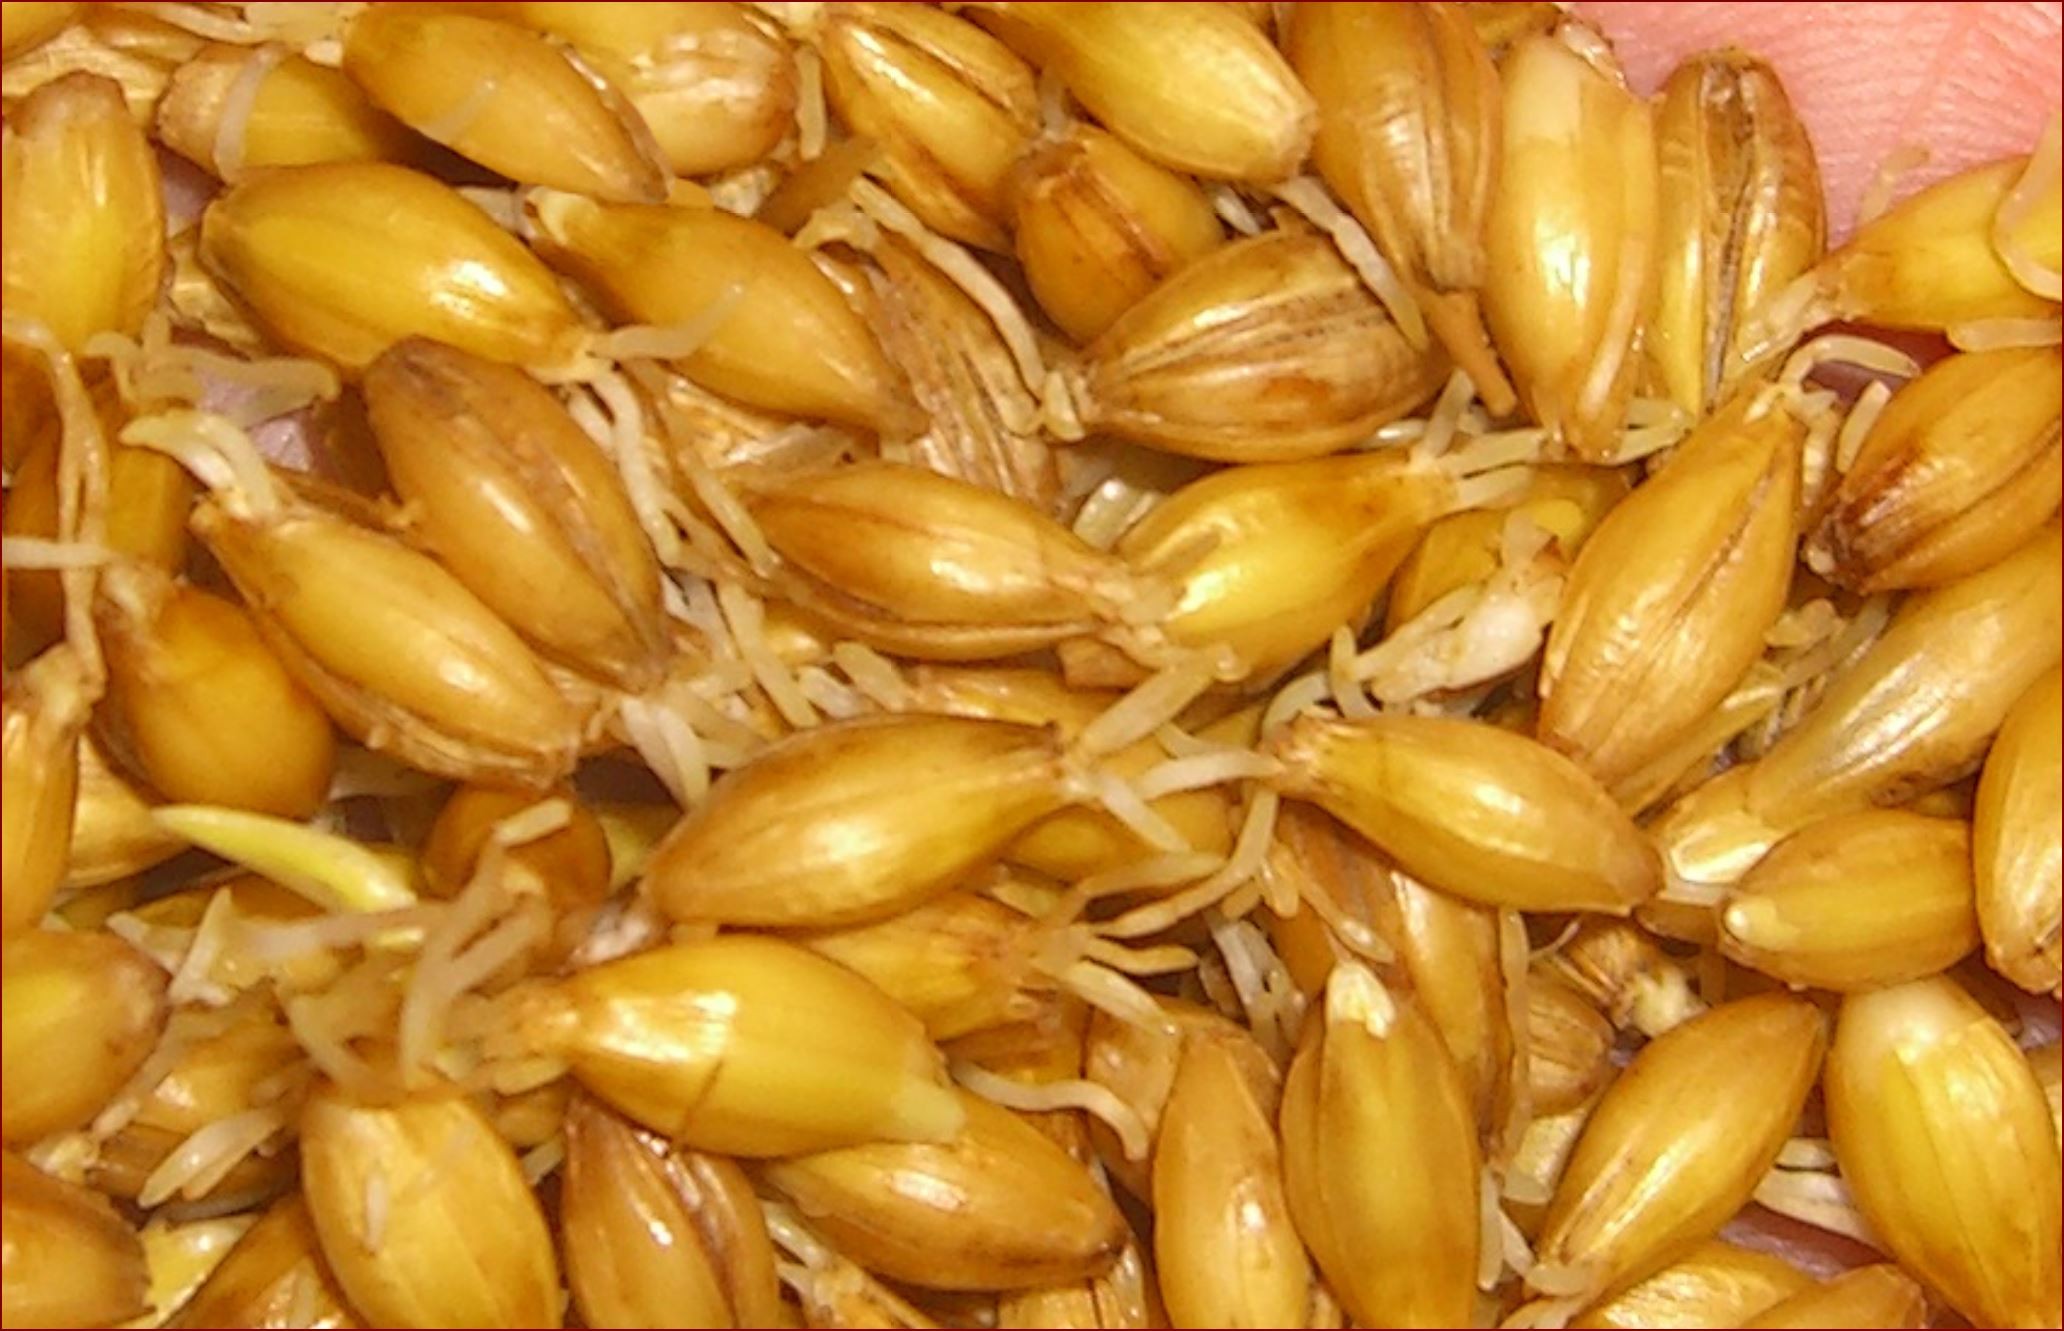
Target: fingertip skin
1974,82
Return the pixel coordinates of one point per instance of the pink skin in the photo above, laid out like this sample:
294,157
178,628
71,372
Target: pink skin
1973,82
